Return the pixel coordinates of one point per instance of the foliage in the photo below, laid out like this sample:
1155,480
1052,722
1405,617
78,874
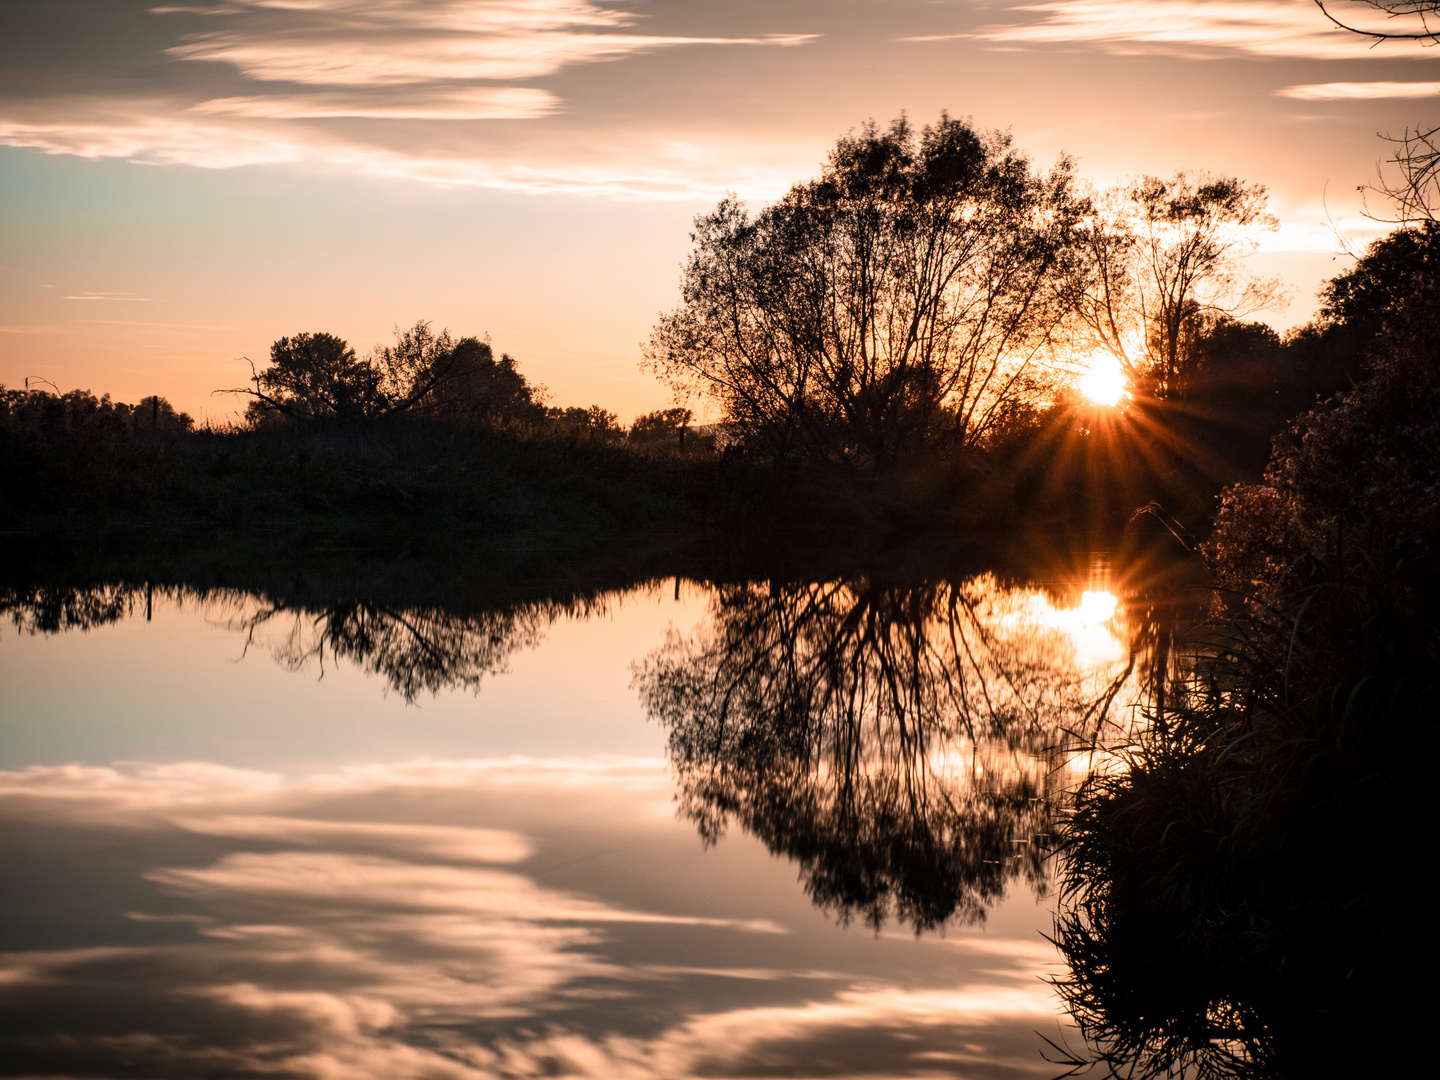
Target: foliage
662,425
894,305
1155,263
595,422
80,415
316,375
435,375
1387,274
319,376
1365,463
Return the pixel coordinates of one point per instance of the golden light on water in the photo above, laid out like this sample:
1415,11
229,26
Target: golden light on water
1103,381
1090,626
1093,626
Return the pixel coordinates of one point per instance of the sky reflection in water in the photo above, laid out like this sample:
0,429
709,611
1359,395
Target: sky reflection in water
227,868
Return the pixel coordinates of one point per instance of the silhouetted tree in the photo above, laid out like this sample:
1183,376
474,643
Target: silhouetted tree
80,415
1155,263
896,304
662,425
422,374
316,375
595,421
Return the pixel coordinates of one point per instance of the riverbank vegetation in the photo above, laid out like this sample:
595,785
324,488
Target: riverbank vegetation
1239,890
932,336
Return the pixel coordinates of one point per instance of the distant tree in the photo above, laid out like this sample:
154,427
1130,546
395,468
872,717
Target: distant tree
1155,263
594,420
662,425
315,375
435,375
422,374
80,415
895,304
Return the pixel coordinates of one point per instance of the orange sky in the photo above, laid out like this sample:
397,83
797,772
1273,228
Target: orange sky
184,184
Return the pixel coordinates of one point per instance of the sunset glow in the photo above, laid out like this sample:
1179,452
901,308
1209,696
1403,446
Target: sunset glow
531,170
1103,382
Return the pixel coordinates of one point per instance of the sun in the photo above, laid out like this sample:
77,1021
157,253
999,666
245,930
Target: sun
1103,382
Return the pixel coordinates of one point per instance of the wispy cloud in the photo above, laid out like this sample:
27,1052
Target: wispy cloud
392,42
112,296
1262,27
437,841
1362,91
432,82
466,103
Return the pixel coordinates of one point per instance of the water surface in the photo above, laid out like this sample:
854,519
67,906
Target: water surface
680,829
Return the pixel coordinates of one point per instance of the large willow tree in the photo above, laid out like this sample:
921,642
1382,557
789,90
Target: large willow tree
899,303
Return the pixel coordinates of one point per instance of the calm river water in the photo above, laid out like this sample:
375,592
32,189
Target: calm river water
674,830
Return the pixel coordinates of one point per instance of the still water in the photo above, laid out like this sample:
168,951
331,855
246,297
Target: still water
679,829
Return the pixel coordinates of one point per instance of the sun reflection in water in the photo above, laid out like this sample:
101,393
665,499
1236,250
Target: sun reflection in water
1091,625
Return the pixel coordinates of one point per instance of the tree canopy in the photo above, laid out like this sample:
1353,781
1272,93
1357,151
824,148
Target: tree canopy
424,373
896,303
1155,264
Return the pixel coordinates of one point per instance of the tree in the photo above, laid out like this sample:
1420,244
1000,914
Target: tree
894,305
1155,264
435,375
315,375
422,374
662,425
1391,271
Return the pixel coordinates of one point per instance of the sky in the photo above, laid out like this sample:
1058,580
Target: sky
181,184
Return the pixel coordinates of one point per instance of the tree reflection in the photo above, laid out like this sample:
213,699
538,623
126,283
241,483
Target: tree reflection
415,649
905,745
44,610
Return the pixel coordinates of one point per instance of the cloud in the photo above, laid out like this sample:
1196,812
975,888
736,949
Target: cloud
1344,91
395,42
345,882
1262,27
110,296
467,103
438,841
409,89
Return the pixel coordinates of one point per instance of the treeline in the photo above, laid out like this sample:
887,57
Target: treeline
427,376
431,436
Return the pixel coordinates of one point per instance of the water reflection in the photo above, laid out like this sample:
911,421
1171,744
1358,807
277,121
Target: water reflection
415,649
908,746
460,920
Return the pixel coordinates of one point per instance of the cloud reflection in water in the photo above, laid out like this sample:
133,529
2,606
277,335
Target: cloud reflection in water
344,925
